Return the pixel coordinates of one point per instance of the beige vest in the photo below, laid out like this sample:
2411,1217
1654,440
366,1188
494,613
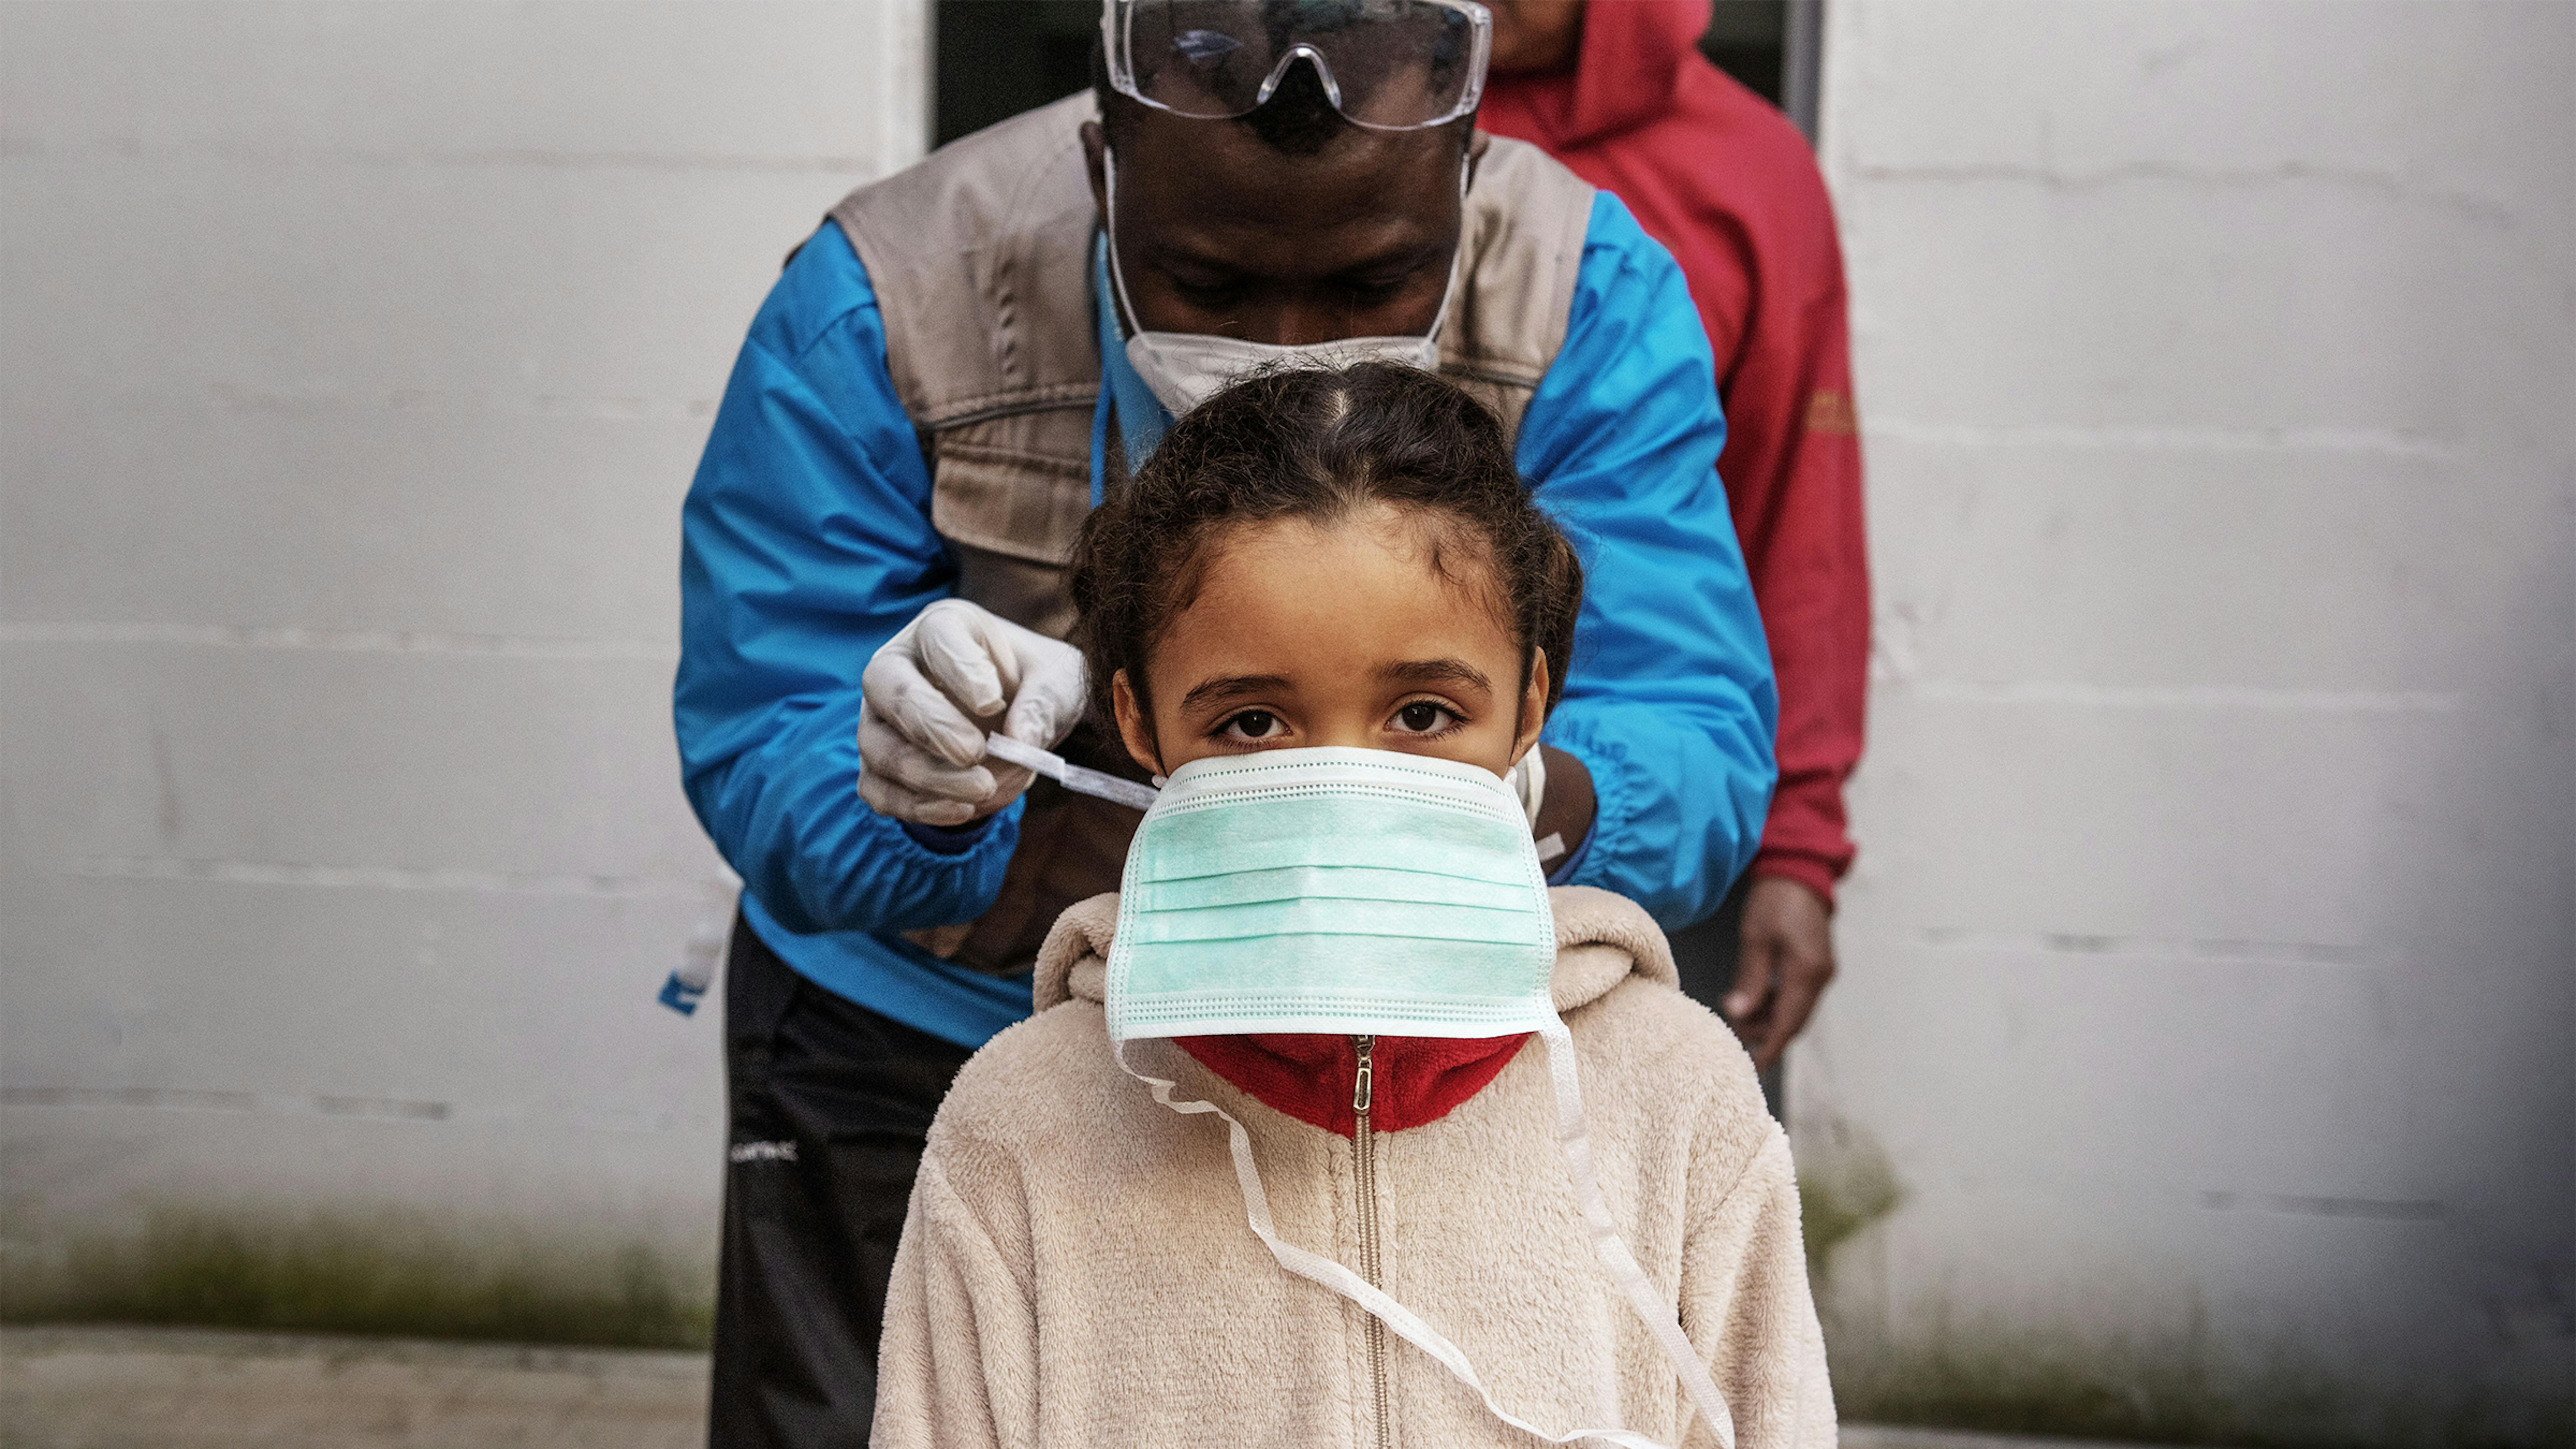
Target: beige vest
980,257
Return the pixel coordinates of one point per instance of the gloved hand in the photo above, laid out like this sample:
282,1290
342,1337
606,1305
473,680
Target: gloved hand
932,693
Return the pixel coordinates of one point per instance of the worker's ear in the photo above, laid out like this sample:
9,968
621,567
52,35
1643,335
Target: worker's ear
1533,714
1134,730
1478,143
1095,151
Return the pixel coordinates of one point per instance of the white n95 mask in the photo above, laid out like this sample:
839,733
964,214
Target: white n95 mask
1360,892
1184,369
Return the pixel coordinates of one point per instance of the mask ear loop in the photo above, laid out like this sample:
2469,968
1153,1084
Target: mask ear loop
1109,225
1612,1250
1457,253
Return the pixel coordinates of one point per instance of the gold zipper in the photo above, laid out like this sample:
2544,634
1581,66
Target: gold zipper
1364,1173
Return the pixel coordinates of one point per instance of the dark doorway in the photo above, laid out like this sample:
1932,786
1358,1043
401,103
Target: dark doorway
997,58
1749,40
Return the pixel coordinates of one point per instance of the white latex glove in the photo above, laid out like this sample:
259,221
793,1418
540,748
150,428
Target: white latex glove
932,693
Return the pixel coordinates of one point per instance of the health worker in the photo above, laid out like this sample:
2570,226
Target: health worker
953,370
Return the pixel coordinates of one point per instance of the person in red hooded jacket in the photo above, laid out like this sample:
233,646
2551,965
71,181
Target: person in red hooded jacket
1619,92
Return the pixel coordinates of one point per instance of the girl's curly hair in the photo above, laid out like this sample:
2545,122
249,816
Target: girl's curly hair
1321,444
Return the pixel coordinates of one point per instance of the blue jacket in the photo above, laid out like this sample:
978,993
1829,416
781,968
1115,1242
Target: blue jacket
806,543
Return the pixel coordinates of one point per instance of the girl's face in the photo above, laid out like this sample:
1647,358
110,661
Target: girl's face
1341,634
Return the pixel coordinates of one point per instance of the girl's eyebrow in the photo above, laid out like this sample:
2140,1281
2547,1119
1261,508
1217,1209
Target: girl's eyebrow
1235,686
1436,671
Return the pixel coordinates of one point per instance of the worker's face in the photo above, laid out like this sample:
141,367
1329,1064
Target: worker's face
1219,232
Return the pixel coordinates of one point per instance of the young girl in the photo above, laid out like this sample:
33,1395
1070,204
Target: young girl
1328,611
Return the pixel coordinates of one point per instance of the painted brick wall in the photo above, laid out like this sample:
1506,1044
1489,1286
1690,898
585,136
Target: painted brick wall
2209,960
357,360
2210,957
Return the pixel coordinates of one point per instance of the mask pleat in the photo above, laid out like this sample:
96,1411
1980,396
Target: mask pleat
1247,836
1394,920
1344,969
1326,882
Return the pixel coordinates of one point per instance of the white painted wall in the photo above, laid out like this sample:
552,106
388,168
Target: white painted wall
2210,957
357,357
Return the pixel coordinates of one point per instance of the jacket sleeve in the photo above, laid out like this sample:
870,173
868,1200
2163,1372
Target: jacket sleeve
1668,700
957,1367
1793,480
1745,1304
805,544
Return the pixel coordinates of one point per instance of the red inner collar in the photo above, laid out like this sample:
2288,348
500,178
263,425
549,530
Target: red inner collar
1412,1079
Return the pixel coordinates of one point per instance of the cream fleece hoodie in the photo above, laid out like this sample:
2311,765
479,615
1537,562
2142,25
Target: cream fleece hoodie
1076,1269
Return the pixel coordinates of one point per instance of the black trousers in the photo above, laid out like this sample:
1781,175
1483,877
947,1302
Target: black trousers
829,1106
1706,956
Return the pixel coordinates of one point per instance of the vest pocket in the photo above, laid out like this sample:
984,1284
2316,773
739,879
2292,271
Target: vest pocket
1024,502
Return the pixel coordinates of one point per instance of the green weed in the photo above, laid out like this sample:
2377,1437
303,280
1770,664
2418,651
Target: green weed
390,1272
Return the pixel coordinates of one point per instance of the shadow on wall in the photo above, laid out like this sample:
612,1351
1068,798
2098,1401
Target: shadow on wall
390,1271
1930,1366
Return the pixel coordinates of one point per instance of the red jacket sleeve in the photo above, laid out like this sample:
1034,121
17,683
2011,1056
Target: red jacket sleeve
1793,482
1722,179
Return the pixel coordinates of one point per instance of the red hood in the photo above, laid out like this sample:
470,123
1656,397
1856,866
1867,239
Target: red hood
1624,73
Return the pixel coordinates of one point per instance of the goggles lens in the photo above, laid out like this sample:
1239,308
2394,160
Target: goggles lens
1387,64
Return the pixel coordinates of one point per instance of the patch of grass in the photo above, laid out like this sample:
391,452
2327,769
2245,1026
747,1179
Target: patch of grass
1999,1378
386,1273
1999,1375
1845,1183
2002,1380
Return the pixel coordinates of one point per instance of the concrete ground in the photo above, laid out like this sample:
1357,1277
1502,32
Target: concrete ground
116,1388
161,1388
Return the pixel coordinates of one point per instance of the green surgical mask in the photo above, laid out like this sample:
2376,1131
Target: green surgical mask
1360,892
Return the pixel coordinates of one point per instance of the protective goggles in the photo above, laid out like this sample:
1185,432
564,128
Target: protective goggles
1389,65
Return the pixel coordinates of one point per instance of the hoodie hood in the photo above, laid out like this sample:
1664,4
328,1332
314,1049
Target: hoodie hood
1625,72
1601,940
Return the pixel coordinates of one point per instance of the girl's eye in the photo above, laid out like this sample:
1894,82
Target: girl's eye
1422,717
1253,724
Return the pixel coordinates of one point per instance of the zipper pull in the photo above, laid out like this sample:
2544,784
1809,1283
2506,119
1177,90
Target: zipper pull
1362,1083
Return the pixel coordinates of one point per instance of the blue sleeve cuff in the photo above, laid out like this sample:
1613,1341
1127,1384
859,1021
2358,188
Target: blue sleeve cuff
940,840
1563,873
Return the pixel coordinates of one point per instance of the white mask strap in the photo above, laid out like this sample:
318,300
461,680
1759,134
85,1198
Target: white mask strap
1117,274
1612,1250
1410,1327
1457,252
